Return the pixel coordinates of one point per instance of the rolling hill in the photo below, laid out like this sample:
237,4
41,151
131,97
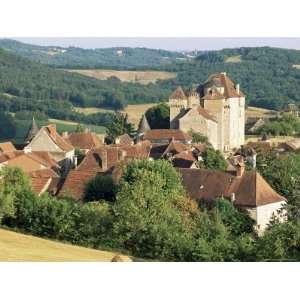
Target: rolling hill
120,57
19,247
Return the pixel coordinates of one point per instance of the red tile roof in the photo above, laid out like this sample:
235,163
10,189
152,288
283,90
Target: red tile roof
58,140
84,140
167,134
7,147
250,190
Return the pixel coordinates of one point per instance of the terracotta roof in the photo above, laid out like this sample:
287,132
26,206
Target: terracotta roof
221,79
124,139
7,147
42,179
137,151
250,190
58,140
167,134
75,183
184,159
199,147
84,140
178,94
175,147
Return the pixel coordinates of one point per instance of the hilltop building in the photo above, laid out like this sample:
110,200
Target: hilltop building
215,109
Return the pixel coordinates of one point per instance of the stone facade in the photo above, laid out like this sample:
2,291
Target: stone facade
215,109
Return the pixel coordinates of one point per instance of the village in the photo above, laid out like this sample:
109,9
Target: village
63,164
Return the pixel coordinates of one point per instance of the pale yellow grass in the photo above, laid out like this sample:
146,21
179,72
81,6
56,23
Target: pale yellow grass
20,247
256,112
274,140
143,77
233,59
134,111
296,66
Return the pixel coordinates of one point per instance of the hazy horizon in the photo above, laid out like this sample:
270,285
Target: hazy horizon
173,44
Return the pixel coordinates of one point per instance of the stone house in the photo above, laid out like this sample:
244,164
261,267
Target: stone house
247,190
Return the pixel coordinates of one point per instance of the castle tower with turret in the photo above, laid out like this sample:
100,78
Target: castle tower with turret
215,109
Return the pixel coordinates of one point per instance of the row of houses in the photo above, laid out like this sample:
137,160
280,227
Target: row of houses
49,159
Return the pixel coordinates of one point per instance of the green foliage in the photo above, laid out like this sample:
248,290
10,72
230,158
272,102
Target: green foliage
7,126
159,116
287,125
212,159
28,115
118,126
79,128
198,137
281,172
102,187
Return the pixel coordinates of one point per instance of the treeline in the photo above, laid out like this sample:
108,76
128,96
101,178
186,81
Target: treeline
75,57
20,77
266,75
148,215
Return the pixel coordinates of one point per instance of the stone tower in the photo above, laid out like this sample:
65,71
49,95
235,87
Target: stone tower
178,102
224,99
192,97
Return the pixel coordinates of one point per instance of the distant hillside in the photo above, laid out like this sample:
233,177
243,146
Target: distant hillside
22,78
73,57
268,76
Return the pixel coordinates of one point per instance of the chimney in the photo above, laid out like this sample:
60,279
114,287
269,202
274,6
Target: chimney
103,155
232,197
86,130
122,154
52,129
240,168
75,161
65,134
223,73
27,150
237,88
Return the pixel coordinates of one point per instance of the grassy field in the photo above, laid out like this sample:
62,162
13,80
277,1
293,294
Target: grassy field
20,247
143,77
134,112
22,127
256,112
233,59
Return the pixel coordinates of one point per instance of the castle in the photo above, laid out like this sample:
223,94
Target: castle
215,109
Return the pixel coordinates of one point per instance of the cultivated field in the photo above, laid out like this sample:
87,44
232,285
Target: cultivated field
20,247
142,77
134,111
233,59
256,112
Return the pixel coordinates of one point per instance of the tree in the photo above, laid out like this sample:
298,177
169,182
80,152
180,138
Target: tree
79,128
158,116
198,137
7,126
118,126
212,159
102,187
14,185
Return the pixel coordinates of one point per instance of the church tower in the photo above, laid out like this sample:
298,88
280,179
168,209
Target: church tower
178,102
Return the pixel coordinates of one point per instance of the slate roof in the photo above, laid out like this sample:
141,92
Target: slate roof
250,190
33,130
144,125
178,94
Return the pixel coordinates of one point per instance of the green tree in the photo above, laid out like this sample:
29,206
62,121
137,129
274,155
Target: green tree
7,126
102,187
79,128
118,126
198,137
212,159
158,116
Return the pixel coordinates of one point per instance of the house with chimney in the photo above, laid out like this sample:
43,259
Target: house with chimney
247,190
48,139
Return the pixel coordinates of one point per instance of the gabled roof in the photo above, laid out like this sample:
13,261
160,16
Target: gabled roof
250,190
221,79
33,130
144,125
57,139
124,139
167,134
7,147
178,94
83,140
174,148
184,159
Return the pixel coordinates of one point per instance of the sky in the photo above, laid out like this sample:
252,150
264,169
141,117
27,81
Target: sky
174,44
